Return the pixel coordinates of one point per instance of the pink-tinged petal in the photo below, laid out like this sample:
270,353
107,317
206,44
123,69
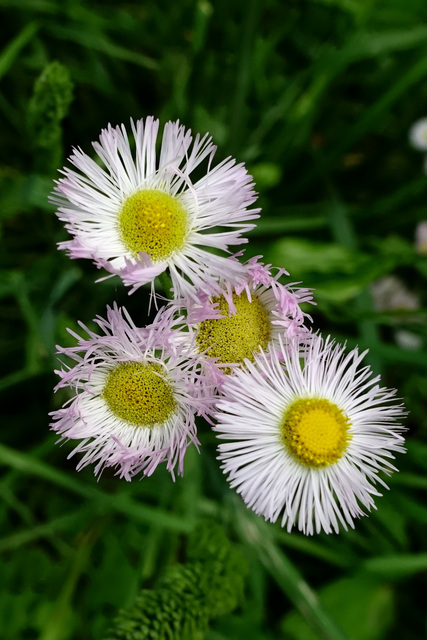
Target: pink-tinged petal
257,280
90,199
107,440
134,274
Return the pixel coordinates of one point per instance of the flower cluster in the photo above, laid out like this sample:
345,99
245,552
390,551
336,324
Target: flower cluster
305,430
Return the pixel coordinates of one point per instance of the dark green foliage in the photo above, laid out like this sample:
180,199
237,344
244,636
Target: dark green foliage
49,105
209,585
317,97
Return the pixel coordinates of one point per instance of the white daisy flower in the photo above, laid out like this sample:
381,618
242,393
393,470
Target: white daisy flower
138,215
136,394
421,238
391,294
305,441
418,134
247,317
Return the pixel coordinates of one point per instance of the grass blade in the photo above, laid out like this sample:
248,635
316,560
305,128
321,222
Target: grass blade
255,533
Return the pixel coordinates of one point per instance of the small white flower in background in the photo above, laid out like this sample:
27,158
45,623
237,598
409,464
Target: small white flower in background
408,340
391,294
136,395
246,317
304,441
140,214
418,135
421,238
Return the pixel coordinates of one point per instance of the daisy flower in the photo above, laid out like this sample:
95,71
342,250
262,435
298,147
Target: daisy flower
141,213
391,294
135,396
247,317
418,135
304,441
421,238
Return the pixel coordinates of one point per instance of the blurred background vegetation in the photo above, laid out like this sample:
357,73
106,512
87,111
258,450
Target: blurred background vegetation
317,97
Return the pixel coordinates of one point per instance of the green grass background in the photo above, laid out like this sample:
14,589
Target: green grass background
317,97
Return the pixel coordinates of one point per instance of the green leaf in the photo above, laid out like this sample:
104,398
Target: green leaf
336,272
361,605
305,256
255,533
266,175
22,193
99,42
12,50
394,567
121,503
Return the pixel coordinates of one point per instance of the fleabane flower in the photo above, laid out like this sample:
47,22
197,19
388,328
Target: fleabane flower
141,212
247,317
421,238
135,396
304,440
391,294
418,134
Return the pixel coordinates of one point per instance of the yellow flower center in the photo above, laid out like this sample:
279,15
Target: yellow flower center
138,394
315,431
235,337
154,222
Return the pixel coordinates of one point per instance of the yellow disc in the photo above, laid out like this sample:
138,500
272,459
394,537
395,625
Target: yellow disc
315,431
235,337
154,222
138,394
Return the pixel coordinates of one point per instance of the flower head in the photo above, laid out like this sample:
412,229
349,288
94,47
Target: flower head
306,442
421,238
391,294
247,317
136,394
418,135
138,215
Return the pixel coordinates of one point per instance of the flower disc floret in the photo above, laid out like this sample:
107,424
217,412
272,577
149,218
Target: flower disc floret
153,222
138,393
237,336
315,431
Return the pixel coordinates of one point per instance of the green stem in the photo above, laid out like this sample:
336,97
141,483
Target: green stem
119,502
255,533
